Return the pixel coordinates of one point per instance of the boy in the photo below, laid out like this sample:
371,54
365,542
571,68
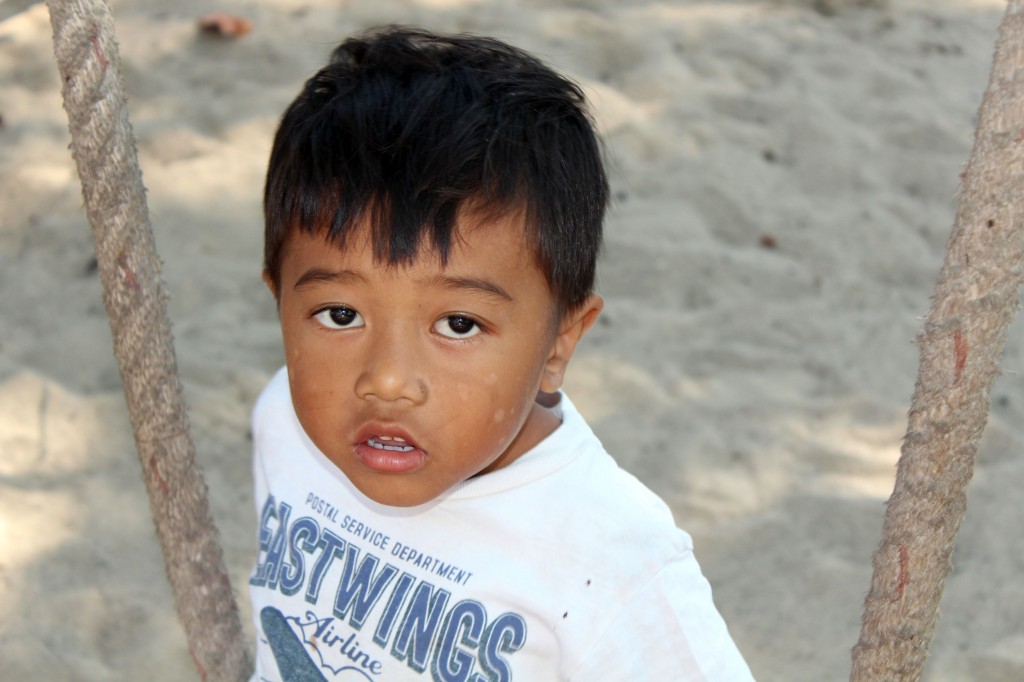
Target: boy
431,507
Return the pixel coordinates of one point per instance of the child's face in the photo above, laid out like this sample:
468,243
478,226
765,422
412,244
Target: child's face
414,378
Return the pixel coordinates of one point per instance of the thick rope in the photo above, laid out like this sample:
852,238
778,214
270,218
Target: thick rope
972,306
104,150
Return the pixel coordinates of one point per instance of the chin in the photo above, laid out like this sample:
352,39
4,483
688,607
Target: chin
393,496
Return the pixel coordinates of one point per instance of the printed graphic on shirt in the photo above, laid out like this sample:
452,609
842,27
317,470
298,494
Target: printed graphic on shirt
353,613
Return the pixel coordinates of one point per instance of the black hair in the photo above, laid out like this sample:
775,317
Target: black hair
405,128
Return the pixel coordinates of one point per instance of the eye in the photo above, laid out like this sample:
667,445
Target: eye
457,327
339,317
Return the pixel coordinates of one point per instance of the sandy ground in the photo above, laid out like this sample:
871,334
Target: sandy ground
784,175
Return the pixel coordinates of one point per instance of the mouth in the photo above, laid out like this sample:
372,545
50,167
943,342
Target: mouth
388,453
390,443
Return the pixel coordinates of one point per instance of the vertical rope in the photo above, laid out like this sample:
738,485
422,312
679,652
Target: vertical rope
973,304
104,151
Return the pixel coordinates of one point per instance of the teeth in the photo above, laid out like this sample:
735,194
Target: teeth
378,442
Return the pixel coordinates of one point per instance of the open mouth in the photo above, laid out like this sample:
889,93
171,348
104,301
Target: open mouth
389,443
390,454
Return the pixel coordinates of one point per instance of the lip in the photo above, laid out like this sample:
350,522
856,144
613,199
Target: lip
388,461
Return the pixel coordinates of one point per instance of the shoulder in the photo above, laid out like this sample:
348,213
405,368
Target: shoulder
600,521
659,614
603,490
669,628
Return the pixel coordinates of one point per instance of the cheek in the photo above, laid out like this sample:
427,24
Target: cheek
295,341
300,378
494,406
316,381
510,402
306,394
292,358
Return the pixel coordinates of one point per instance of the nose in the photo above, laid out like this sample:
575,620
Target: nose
391,368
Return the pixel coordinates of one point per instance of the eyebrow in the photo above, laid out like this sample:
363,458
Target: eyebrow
483,286
317,275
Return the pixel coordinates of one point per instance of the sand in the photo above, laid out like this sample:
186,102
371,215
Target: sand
784,176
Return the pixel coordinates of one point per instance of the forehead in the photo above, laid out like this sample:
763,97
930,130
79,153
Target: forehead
482,242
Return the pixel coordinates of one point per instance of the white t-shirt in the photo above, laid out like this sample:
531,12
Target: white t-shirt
560,566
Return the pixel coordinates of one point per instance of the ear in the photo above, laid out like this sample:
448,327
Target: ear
574,324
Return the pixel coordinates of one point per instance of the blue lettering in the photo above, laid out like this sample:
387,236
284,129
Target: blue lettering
419,625
302,537
506,635
387,621
358,588
452,664
259,576
332,547
275,553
